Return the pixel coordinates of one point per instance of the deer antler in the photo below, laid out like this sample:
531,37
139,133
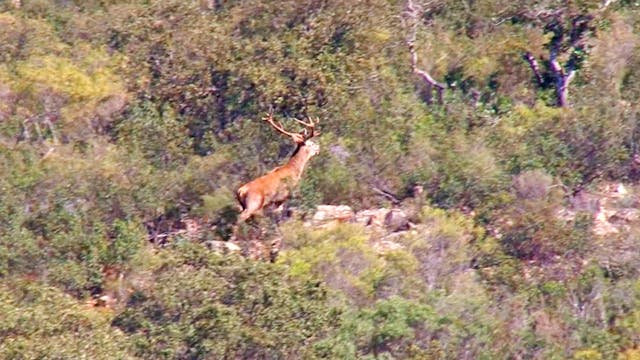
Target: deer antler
311,125
275,187
297,138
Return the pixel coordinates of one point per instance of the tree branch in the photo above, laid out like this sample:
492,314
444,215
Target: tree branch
565,74
426,77
533,64
555,66
47,120
386,194
606,3
562,88
412,12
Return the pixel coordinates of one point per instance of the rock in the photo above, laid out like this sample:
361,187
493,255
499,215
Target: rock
601,224
223,246
104,301
372,217
389,219
329,213
396,220
621,190
625,216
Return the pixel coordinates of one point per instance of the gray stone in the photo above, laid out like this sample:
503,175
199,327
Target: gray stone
396,220
329,213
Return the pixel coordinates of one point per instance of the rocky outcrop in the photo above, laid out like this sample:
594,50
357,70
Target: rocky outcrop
326,214
396,220
224,247
373,218
389,220
614,208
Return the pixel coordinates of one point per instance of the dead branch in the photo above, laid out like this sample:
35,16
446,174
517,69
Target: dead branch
47,120
606,3
412,18
533,64
386,194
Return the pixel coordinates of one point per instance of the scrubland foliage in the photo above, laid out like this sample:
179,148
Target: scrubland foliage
125,127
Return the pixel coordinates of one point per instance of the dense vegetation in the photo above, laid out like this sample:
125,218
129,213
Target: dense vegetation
124,122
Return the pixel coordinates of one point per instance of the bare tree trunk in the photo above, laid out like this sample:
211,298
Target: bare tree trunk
574,46
562,80
413,20
606,3
562,88
533,64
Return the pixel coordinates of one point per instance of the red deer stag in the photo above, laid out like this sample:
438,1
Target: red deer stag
275,187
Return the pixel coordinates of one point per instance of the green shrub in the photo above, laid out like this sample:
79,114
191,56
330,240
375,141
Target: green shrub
41,322
202,305
340,256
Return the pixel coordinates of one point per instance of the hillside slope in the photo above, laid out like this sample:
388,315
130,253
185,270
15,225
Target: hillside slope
499,133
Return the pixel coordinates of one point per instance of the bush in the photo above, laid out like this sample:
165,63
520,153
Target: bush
340,256
202,305
40,321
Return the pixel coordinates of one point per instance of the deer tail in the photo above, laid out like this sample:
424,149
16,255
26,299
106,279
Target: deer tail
241,195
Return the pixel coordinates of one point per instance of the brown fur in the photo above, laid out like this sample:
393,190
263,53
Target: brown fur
275,187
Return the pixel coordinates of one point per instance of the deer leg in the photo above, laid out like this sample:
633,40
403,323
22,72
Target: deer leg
251,205
276,210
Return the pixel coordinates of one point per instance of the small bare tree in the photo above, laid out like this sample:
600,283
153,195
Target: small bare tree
567,48
412,18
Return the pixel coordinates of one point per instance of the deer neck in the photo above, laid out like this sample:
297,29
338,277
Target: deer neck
299,160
